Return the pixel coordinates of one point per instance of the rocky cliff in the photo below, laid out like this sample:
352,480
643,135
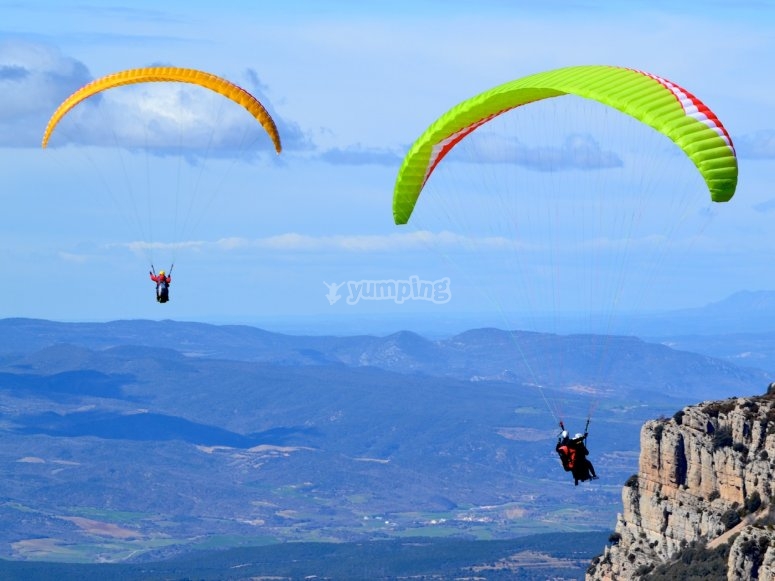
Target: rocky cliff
701,502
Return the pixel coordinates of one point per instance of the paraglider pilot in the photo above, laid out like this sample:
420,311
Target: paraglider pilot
162,281
573,455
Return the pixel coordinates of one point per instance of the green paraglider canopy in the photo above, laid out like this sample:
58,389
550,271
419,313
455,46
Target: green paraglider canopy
653,100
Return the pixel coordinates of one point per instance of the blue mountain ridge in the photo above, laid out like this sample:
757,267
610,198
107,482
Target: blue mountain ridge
157,426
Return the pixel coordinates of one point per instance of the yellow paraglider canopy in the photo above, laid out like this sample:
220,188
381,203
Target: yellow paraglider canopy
168,74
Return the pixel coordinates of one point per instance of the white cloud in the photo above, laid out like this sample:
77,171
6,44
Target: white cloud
360,155
576,152
75,258
169,118
34,78
141,247
398,242
294,242
401,242
759,145
165,118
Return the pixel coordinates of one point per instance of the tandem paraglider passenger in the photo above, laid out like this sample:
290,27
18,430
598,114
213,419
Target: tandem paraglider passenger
162,281
574,457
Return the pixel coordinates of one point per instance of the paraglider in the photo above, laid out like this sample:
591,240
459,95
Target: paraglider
167,74
573,455
651,100
163,281
202,79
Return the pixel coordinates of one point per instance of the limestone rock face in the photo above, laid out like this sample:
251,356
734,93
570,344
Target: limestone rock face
706,477
752,555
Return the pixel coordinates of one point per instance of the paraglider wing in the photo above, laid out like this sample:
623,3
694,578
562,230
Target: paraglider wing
652,100
169,74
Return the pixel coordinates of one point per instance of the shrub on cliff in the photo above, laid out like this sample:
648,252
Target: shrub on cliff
740,448
722,438
730,518
695,562
753,502
719,407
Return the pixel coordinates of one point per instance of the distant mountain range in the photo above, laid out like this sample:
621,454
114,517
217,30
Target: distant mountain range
742,312
554,361
142,438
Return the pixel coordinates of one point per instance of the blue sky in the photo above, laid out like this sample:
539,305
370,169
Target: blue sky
351,85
